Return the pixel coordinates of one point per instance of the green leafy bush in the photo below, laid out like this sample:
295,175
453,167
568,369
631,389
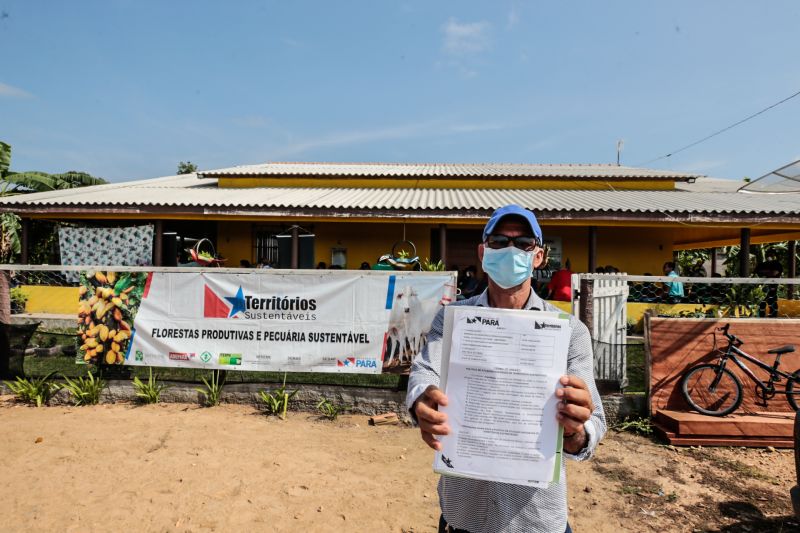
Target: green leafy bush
330,410
433,267
150,391
641,426
85,391
34,391
213,389
277,402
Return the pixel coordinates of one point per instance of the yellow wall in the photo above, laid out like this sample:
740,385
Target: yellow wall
631,250
55,300
367,242
235,242
445,183
363,241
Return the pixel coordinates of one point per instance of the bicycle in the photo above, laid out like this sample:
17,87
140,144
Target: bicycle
712,389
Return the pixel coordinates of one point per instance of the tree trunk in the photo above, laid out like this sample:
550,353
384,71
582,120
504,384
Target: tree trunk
5,297
5,318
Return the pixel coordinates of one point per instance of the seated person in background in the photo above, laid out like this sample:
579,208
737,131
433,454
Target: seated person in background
674,290
470,284
560,286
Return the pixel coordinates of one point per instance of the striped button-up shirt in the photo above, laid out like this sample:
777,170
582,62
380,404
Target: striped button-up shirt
489,507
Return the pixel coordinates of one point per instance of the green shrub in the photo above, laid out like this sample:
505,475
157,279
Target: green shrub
213,388
34,391
149,391
330,410
85,391
433,267
641,426
277,402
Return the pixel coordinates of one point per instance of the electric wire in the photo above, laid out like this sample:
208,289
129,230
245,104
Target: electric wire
723,130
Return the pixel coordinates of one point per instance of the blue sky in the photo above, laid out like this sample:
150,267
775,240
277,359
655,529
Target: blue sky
127,89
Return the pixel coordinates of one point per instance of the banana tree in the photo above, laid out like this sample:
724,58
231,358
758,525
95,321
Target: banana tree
34,181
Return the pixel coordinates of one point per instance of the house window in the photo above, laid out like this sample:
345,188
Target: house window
266,247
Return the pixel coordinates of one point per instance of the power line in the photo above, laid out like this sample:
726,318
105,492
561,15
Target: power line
723,130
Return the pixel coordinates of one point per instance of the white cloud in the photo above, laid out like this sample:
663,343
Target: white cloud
251,121
433,128
291,42
13,92
513,17
470,128
466,38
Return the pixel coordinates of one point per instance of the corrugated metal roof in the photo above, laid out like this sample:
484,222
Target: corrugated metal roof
185,192
444,170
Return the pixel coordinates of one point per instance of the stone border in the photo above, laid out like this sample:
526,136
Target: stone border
359,400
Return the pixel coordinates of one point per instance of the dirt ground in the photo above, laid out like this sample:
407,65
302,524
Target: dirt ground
185,468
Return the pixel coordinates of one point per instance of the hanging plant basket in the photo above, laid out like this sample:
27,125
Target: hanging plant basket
400,259
204,254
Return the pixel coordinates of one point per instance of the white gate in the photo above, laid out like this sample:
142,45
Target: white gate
609,319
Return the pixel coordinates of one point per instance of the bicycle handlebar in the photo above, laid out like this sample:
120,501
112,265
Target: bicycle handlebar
732,338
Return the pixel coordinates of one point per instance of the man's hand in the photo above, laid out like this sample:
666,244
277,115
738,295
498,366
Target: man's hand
574,408
431,421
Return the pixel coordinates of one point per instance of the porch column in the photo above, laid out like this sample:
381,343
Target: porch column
744,253
158,243
24,237
712,253
592,249
295,247
443,243
792,267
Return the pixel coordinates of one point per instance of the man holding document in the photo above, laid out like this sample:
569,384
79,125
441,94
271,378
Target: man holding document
498,393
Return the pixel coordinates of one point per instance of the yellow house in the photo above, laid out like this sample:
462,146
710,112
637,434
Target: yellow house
299,214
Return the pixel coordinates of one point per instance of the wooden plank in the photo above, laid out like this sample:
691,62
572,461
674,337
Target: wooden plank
769,425
675,345
692,440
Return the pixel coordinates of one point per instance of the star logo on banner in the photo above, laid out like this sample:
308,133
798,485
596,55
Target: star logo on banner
237,302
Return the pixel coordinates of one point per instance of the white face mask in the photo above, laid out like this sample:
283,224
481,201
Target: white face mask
509,266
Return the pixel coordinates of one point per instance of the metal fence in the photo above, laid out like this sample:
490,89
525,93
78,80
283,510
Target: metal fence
613,306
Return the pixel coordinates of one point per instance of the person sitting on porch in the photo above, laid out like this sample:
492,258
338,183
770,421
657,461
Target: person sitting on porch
560,286
674,289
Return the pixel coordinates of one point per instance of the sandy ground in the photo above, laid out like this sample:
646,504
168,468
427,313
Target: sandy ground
185,468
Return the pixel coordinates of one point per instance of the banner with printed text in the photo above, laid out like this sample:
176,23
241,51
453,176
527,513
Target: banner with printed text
332,321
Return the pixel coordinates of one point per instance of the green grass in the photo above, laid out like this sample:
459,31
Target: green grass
40,366
635,364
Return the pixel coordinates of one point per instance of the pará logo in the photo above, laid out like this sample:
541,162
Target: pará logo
484,321
205,357
139,355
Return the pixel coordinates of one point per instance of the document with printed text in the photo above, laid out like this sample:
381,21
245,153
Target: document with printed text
500,371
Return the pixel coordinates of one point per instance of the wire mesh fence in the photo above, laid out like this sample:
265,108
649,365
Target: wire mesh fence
614,305
48,296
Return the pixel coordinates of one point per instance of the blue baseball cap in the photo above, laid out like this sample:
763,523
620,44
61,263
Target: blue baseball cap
513,209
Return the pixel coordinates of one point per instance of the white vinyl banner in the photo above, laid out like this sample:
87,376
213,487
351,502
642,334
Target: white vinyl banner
278,320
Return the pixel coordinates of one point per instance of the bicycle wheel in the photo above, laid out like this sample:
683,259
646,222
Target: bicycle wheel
711,392
793,395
